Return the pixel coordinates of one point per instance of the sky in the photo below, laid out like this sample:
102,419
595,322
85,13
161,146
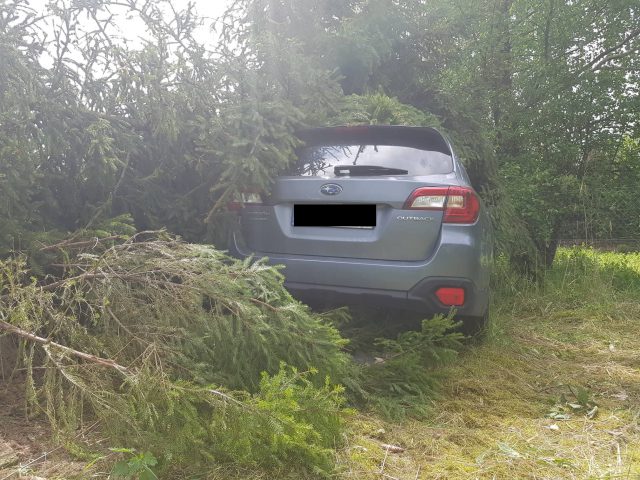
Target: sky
133,29
208,8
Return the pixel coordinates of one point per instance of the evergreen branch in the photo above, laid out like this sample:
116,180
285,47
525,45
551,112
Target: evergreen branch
105,362
66,244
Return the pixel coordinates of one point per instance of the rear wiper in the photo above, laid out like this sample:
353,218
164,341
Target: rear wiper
340,170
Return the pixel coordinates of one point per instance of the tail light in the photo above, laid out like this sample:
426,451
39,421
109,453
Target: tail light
452,297
459,204
244,199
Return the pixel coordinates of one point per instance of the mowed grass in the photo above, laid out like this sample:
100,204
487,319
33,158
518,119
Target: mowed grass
552,392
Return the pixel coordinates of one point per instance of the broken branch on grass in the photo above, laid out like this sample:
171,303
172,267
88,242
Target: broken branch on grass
392,448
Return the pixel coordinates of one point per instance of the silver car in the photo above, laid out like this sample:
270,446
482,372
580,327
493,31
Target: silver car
383,215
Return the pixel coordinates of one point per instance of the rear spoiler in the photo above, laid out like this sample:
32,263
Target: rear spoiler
424,138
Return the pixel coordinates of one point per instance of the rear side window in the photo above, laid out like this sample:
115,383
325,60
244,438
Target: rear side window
320,160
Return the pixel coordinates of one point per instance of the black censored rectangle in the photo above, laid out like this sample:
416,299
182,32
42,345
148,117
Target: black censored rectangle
356,216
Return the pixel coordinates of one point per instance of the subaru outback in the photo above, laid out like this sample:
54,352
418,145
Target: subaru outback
383,215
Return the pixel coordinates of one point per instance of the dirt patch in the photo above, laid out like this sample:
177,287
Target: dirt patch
30,450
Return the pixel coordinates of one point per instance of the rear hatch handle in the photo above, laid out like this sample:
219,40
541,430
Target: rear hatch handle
339,171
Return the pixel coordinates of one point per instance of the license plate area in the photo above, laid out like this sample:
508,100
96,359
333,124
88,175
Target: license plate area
335,215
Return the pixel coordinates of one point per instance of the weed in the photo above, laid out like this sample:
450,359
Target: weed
137,466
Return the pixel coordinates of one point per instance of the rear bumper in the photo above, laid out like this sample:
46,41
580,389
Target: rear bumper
421,298
460,260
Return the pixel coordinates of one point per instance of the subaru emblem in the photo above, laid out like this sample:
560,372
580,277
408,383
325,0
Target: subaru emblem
330,189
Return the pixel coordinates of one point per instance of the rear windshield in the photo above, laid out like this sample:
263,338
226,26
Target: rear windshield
320,160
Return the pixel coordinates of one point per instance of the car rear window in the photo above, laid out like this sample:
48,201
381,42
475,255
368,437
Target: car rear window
320,160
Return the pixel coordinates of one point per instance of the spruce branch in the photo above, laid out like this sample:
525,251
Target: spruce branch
105,362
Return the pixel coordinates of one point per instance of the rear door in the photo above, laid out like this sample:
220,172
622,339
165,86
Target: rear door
345,197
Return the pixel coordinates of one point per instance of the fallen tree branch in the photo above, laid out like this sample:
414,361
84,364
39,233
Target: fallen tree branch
93,242
129,277
105,362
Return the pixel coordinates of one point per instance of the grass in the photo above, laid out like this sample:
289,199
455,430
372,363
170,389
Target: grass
520,404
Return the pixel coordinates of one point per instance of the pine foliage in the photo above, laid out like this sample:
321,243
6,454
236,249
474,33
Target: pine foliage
407,377
380,109
165,324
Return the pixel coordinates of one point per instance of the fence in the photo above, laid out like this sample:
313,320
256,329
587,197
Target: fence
605,220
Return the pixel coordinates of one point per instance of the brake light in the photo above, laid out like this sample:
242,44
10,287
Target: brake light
244,199
460,204
451,297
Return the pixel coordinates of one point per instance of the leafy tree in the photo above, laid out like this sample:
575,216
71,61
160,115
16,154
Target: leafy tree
530,93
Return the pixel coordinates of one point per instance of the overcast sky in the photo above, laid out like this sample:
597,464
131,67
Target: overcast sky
132,29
